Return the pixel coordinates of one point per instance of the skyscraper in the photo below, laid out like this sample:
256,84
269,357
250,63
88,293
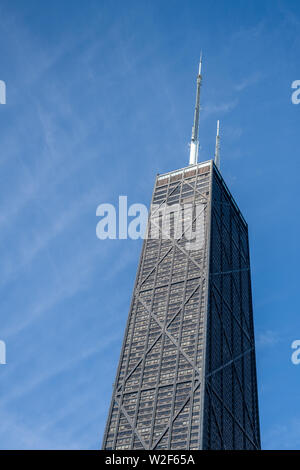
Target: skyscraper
187,374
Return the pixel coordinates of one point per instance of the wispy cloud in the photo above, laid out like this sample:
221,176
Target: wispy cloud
28,249
218,108
267,338
249,81
283,436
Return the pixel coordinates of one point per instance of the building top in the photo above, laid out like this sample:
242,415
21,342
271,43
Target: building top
186,169
191,170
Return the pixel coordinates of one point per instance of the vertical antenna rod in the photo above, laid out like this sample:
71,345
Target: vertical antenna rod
194,146
217,150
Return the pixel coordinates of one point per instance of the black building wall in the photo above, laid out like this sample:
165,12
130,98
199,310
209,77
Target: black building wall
230,419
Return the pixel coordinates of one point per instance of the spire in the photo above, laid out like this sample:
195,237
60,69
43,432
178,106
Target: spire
217,150
200,64
194,140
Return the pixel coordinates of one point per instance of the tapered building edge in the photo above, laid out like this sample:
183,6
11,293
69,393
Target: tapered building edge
214,173
124,338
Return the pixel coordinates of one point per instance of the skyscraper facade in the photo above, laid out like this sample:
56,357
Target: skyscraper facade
187,375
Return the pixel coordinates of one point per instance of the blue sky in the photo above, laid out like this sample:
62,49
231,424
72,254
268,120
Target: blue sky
100,98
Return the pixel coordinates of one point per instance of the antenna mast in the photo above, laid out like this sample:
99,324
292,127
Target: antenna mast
194,145
217,150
